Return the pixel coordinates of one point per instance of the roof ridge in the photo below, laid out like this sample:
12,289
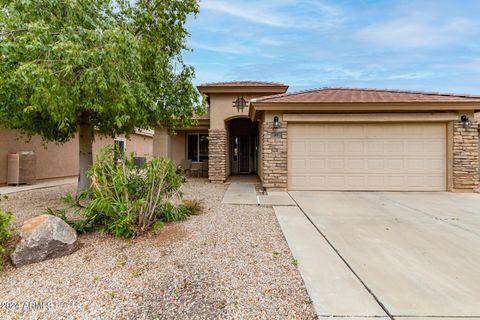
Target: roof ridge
243,81
281,95
436,93
289,94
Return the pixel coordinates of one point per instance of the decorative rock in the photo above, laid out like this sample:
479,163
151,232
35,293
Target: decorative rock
44,237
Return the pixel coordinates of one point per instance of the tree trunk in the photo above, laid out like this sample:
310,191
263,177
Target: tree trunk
85,140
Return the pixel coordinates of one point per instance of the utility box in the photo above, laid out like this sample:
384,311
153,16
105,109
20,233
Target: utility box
22,168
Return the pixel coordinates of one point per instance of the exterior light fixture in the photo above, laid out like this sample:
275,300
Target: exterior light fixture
240,104
276,122
467,123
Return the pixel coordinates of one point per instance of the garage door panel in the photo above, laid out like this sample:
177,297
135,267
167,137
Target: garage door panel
298,146
356,164
375,146
394,147
335,146
394,157
316,164
316,146
434,146
299,164
355,146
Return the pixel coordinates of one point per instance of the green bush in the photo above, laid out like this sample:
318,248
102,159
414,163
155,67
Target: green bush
168,212
5,233
125,200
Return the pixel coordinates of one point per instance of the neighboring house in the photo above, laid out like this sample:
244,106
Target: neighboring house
333,138
59,161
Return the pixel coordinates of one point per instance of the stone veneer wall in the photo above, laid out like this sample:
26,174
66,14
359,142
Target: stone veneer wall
217,155
274,156
465,156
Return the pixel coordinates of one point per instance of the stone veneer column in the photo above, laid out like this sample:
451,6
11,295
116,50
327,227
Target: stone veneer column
465,156
217,155
274,156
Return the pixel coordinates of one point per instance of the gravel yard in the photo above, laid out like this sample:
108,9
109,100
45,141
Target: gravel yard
230,262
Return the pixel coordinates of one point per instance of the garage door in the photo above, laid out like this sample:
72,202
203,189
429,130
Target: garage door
373,157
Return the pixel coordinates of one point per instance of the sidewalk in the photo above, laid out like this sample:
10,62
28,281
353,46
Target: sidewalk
39,185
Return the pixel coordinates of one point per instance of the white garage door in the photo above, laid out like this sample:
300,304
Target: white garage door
373,157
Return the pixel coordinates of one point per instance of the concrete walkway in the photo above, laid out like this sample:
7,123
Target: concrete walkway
276,198
245,193
241,193
415,254
39,185
333,288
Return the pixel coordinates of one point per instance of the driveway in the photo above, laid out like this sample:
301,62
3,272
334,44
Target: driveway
392,254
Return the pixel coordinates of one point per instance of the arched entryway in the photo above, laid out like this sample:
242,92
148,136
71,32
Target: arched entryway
242,146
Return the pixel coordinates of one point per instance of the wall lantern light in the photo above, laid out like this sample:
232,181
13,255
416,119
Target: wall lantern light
466,122
240,104
276,122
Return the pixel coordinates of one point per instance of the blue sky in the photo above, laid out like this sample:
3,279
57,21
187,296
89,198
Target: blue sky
431,45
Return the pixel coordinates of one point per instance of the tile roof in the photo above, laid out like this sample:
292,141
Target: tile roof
346,95
247,83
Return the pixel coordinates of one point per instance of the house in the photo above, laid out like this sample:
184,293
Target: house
61,160
333,138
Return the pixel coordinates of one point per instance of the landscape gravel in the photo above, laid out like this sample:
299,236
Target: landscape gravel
231,262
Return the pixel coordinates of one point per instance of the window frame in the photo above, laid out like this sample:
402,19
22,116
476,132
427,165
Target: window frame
197,134
124,140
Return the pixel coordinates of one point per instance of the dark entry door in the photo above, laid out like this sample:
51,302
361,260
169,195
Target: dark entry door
242,154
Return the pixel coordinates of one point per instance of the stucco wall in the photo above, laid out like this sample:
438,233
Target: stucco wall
178,147
56,161
221,108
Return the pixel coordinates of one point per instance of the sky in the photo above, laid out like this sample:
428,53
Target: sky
429,45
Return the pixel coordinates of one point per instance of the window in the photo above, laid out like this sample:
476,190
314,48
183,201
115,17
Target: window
120,144
197,147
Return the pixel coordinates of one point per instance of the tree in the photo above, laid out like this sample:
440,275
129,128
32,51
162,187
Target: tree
104,66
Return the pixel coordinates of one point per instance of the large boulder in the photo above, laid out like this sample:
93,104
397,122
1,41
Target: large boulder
44,237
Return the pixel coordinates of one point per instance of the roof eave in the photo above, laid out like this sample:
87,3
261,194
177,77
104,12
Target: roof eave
362,106
242,89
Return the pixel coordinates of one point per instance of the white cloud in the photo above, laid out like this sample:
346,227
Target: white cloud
253,14
413,32
411,76
310,13
231,48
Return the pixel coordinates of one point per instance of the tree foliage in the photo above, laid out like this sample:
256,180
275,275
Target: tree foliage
117,64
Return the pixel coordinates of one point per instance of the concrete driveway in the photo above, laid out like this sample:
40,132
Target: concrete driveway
379,254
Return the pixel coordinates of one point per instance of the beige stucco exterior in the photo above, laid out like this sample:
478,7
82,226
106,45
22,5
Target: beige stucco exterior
216,124
57,161
459,145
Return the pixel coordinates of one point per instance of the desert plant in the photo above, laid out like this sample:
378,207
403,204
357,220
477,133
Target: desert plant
168,212
193,206
125,200
5,232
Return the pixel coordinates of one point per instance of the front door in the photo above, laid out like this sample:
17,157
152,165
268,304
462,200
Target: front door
242,154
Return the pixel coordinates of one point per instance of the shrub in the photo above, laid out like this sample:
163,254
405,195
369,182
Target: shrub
193,206
126,200
168,212
5,233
